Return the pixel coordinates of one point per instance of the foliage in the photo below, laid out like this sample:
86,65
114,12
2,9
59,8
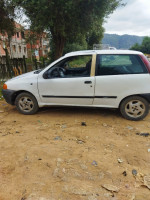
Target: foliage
7,17
1,86
70,47
121,41
144,47
136,47
67,19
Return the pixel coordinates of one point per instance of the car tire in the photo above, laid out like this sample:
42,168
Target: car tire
134,108
26,103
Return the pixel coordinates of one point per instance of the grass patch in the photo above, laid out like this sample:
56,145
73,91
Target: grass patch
1,86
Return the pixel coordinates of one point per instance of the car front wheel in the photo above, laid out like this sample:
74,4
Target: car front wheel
134,108
26,103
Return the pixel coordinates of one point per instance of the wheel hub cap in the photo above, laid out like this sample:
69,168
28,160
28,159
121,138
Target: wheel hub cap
135,108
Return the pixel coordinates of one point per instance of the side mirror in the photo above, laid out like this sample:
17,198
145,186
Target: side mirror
45,75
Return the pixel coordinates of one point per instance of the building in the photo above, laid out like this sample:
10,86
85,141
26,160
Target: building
37,44
15,45
24,43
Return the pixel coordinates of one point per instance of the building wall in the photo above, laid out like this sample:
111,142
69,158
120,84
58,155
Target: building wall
16,46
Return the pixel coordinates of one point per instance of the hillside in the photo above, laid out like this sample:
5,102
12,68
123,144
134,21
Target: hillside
121,41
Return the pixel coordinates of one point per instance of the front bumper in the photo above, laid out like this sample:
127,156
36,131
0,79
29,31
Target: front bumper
9,96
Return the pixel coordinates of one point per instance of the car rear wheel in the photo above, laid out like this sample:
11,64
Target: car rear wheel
26,103
134,108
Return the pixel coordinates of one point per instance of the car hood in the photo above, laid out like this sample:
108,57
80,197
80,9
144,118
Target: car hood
29,74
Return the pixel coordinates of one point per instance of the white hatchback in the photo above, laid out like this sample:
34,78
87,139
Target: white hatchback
98,78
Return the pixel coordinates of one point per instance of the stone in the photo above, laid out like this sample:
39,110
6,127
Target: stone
80,141
92,197
58,138
101,175
94,163
120,160
124,173
83,124
105,125
134,172
64,126
147,181
83,166
56,172
129,128
143,134
111,188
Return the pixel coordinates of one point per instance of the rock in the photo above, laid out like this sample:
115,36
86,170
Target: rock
105,125
143,134
134,172
111,188
77,190
17,132
131,196
101,175
83,166
124,173
94,163
120,160
56,172
129,128
92,197
148,150
58,138
83,124
59,162
147,181
80,141
64,126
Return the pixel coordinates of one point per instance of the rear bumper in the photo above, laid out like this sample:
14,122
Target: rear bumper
9,96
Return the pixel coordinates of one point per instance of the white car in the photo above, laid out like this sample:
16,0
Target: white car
96,78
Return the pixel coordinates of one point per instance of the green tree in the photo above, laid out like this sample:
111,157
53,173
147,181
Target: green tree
67,19
7,17
144,47
31,38
136,47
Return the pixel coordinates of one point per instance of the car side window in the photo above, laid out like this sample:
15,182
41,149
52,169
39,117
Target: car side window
75,66
119,64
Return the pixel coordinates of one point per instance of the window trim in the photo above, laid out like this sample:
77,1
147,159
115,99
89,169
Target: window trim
97,60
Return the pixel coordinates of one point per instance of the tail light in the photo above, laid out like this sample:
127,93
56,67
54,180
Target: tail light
146,62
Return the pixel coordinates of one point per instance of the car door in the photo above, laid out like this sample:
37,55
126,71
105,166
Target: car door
118,76
74,85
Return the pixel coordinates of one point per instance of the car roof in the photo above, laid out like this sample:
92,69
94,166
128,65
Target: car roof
89,52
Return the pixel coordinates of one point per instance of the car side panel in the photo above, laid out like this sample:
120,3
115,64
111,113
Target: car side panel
110,90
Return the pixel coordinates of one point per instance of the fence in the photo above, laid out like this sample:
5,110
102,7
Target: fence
13,67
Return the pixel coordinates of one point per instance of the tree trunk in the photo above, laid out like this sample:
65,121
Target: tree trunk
59,43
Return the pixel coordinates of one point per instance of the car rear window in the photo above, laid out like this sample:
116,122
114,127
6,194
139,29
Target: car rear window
119,64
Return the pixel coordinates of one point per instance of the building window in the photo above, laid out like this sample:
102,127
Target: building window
17,34
14,48
20,49
24,49
22,34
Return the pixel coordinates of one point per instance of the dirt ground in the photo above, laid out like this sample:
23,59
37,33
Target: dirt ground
73,154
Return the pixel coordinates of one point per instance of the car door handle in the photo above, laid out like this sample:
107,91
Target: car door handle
88,82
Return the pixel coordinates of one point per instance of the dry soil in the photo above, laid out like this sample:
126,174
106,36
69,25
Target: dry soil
73,154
